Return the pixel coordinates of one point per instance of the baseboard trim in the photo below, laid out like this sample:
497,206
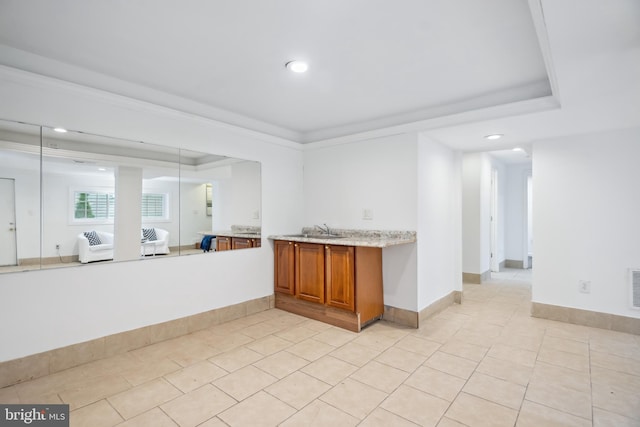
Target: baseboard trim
476,278
453,297
595,319
52,361
472,278
401,316
514,263
413,319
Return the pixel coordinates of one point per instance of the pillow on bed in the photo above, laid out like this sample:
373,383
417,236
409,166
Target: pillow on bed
93,238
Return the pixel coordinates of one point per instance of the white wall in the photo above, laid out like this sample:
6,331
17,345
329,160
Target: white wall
502,210
245,193
378,174
127,222
476,211
471,211
55,308
381,175
585,215
193,217
439,222
409,183
516,204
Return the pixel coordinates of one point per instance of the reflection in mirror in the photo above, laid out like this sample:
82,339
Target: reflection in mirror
72,198
101,193
19,196
220,196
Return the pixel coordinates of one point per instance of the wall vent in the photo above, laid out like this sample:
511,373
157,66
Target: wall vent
635,287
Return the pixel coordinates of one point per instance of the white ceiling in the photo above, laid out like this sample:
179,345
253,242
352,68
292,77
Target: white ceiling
458,69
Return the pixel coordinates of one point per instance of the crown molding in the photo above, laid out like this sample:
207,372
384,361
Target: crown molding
39,81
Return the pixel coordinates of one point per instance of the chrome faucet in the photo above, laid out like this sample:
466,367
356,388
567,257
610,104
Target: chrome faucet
324,230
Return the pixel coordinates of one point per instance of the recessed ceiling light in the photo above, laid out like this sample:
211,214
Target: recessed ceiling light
297,66
518,149
101,169
494,136
60,130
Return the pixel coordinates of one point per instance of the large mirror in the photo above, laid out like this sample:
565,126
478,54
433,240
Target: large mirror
72,198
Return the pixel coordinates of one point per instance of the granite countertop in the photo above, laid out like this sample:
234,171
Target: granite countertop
345,237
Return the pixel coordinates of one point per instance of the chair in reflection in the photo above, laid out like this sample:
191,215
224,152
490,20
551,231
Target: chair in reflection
95,246
155,241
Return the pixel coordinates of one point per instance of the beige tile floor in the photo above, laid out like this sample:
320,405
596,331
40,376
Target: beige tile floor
483,363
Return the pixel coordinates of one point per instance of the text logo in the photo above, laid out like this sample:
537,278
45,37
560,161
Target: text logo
34,415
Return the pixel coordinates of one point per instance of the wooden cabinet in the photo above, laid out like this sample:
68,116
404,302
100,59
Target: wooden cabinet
341,285
240,243
223,243
310,270
340,276
284,268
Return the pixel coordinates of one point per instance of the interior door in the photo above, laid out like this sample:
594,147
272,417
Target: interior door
8,253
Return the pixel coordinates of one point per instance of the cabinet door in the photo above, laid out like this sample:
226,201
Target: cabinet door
310,272
284,267
240,243
256,243
340,278
223,243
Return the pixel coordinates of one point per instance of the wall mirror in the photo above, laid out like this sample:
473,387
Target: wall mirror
71,198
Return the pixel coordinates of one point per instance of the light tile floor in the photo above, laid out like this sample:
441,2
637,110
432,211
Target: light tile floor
483,363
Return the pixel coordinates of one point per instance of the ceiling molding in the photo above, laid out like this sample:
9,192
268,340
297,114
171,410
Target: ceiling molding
545,103
540,26
29,78
533,90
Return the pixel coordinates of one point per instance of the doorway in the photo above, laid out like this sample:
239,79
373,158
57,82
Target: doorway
8,246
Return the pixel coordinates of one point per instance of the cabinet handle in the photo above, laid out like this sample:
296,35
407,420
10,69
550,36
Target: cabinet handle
290,243
326,247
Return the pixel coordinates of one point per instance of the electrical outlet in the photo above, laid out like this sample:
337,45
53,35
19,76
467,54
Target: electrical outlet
584,286
367,214
57,245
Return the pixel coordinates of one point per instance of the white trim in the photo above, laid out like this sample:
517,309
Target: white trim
449,115
201,113
536,105
537,15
